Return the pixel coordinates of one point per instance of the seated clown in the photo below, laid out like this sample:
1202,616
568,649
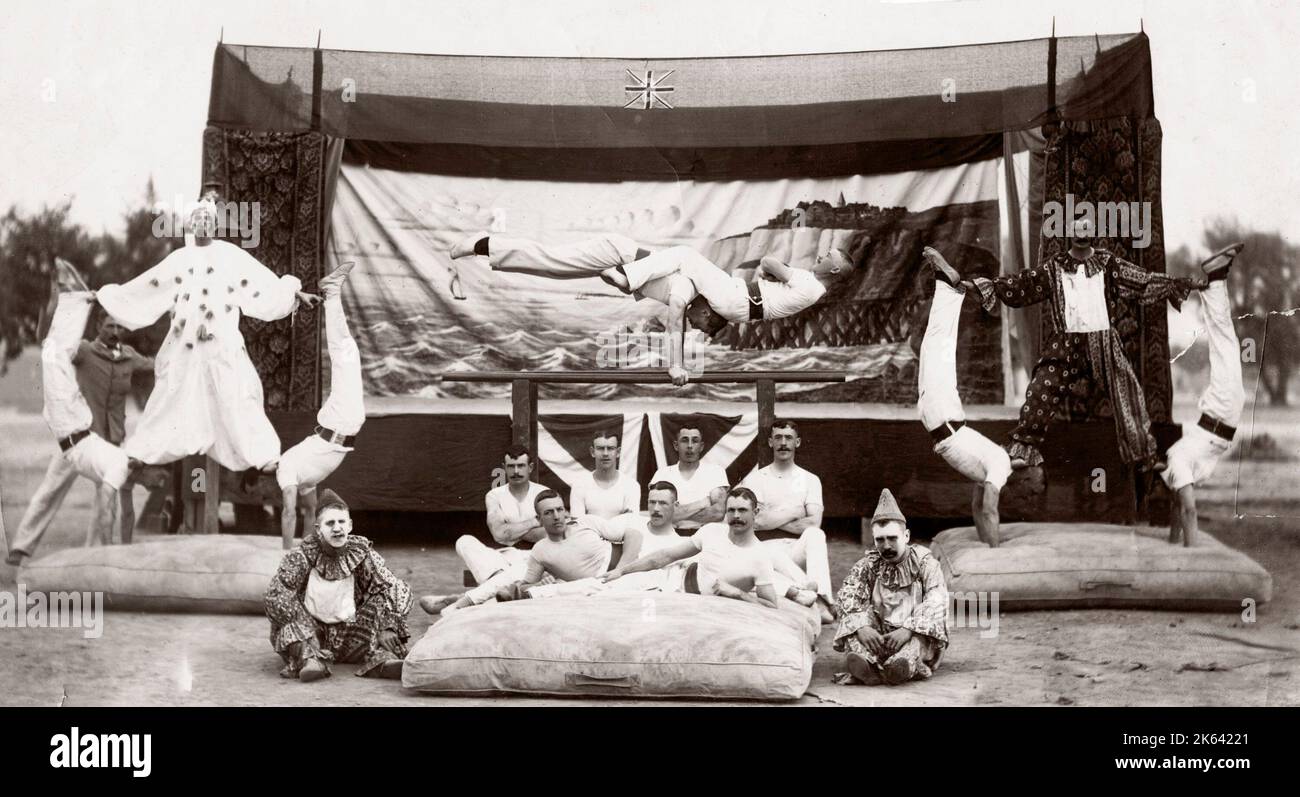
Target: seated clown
893,606
334,600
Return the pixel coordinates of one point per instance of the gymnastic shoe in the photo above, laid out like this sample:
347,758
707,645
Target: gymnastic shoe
67,278
942,271
465,246
313,670
1217,265
435,604
15,558
334,280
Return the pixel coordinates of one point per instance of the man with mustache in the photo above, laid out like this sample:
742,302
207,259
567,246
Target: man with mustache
893,605
790,503
969,453
732,563
513,524
333,599
656,532
1193,458
605,492
85,385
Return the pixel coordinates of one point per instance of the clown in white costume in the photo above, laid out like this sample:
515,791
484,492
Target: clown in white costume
208,396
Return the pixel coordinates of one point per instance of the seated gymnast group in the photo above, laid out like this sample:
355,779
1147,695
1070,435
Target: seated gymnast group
333,599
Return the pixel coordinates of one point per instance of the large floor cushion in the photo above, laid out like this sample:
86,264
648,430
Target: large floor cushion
217,573
626,645
1054,565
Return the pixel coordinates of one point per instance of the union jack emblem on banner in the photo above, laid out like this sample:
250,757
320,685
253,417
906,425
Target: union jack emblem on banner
648,89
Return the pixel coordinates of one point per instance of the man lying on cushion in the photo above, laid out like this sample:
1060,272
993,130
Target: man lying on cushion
334,600
732,561
573,552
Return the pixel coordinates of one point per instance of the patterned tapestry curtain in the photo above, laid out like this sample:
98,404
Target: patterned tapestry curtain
288,176
1115,160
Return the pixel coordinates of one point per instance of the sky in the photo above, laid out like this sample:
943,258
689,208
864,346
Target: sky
100,97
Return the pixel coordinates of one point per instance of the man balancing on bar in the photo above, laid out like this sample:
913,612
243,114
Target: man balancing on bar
1192,459
970,453
308,463
694,288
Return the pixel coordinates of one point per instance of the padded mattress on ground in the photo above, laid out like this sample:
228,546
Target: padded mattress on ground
624,645
217,573
1081,565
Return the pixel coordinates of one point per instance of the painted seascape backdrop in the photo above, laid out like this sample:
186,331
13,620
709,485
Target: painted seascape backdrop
399,226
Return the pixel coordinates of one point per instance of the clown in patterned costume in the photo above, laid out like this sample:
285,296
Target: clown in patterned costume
893,606
334,600
1082,288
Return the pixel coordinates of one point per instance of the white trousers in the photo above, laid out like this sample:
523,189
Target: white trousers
1225,396
345,410
936,375
579,260
969,452
808,551
1196,454
65,409
60,475
491,568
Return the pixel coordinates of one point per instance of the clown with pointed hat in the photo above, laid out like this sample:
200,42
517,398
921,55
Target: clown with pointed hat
893,606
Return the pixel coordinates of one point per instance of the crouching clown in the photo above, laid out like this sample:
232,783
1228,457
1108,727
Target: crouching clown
894,606
334,600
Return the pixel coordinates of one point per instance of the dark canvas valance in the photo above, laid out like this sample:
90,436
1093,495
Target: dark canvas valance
771,101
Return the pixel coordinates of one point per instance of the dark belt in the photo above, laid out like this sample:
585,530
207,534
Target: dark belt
331,436
1216,427
948,429
71,440
755,302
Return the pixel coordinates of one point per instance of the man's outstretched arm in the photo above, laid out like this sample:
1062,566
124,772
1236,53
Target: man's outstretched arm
675,330
289,515
659,559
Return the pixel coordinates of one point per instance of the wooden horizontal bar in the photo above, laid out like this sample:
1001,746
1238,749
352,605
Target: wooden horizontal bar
651,376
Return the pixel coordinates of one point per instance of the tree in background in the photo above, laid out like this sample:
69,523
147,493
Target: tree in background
28,246
1264,281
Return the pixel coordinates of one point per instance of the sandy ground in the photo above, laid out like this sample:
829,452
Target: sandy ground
1093,657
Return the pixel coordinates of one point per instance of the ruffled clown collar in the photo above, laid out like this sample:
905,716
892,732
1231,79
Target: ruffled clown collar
334,564
900,574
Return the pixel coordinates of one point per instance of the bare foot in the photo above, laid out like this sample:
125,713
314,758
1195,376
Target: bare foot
433,604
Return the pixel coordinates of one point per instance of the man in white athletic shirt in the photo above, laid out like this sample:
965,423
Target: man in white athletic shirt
701,486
